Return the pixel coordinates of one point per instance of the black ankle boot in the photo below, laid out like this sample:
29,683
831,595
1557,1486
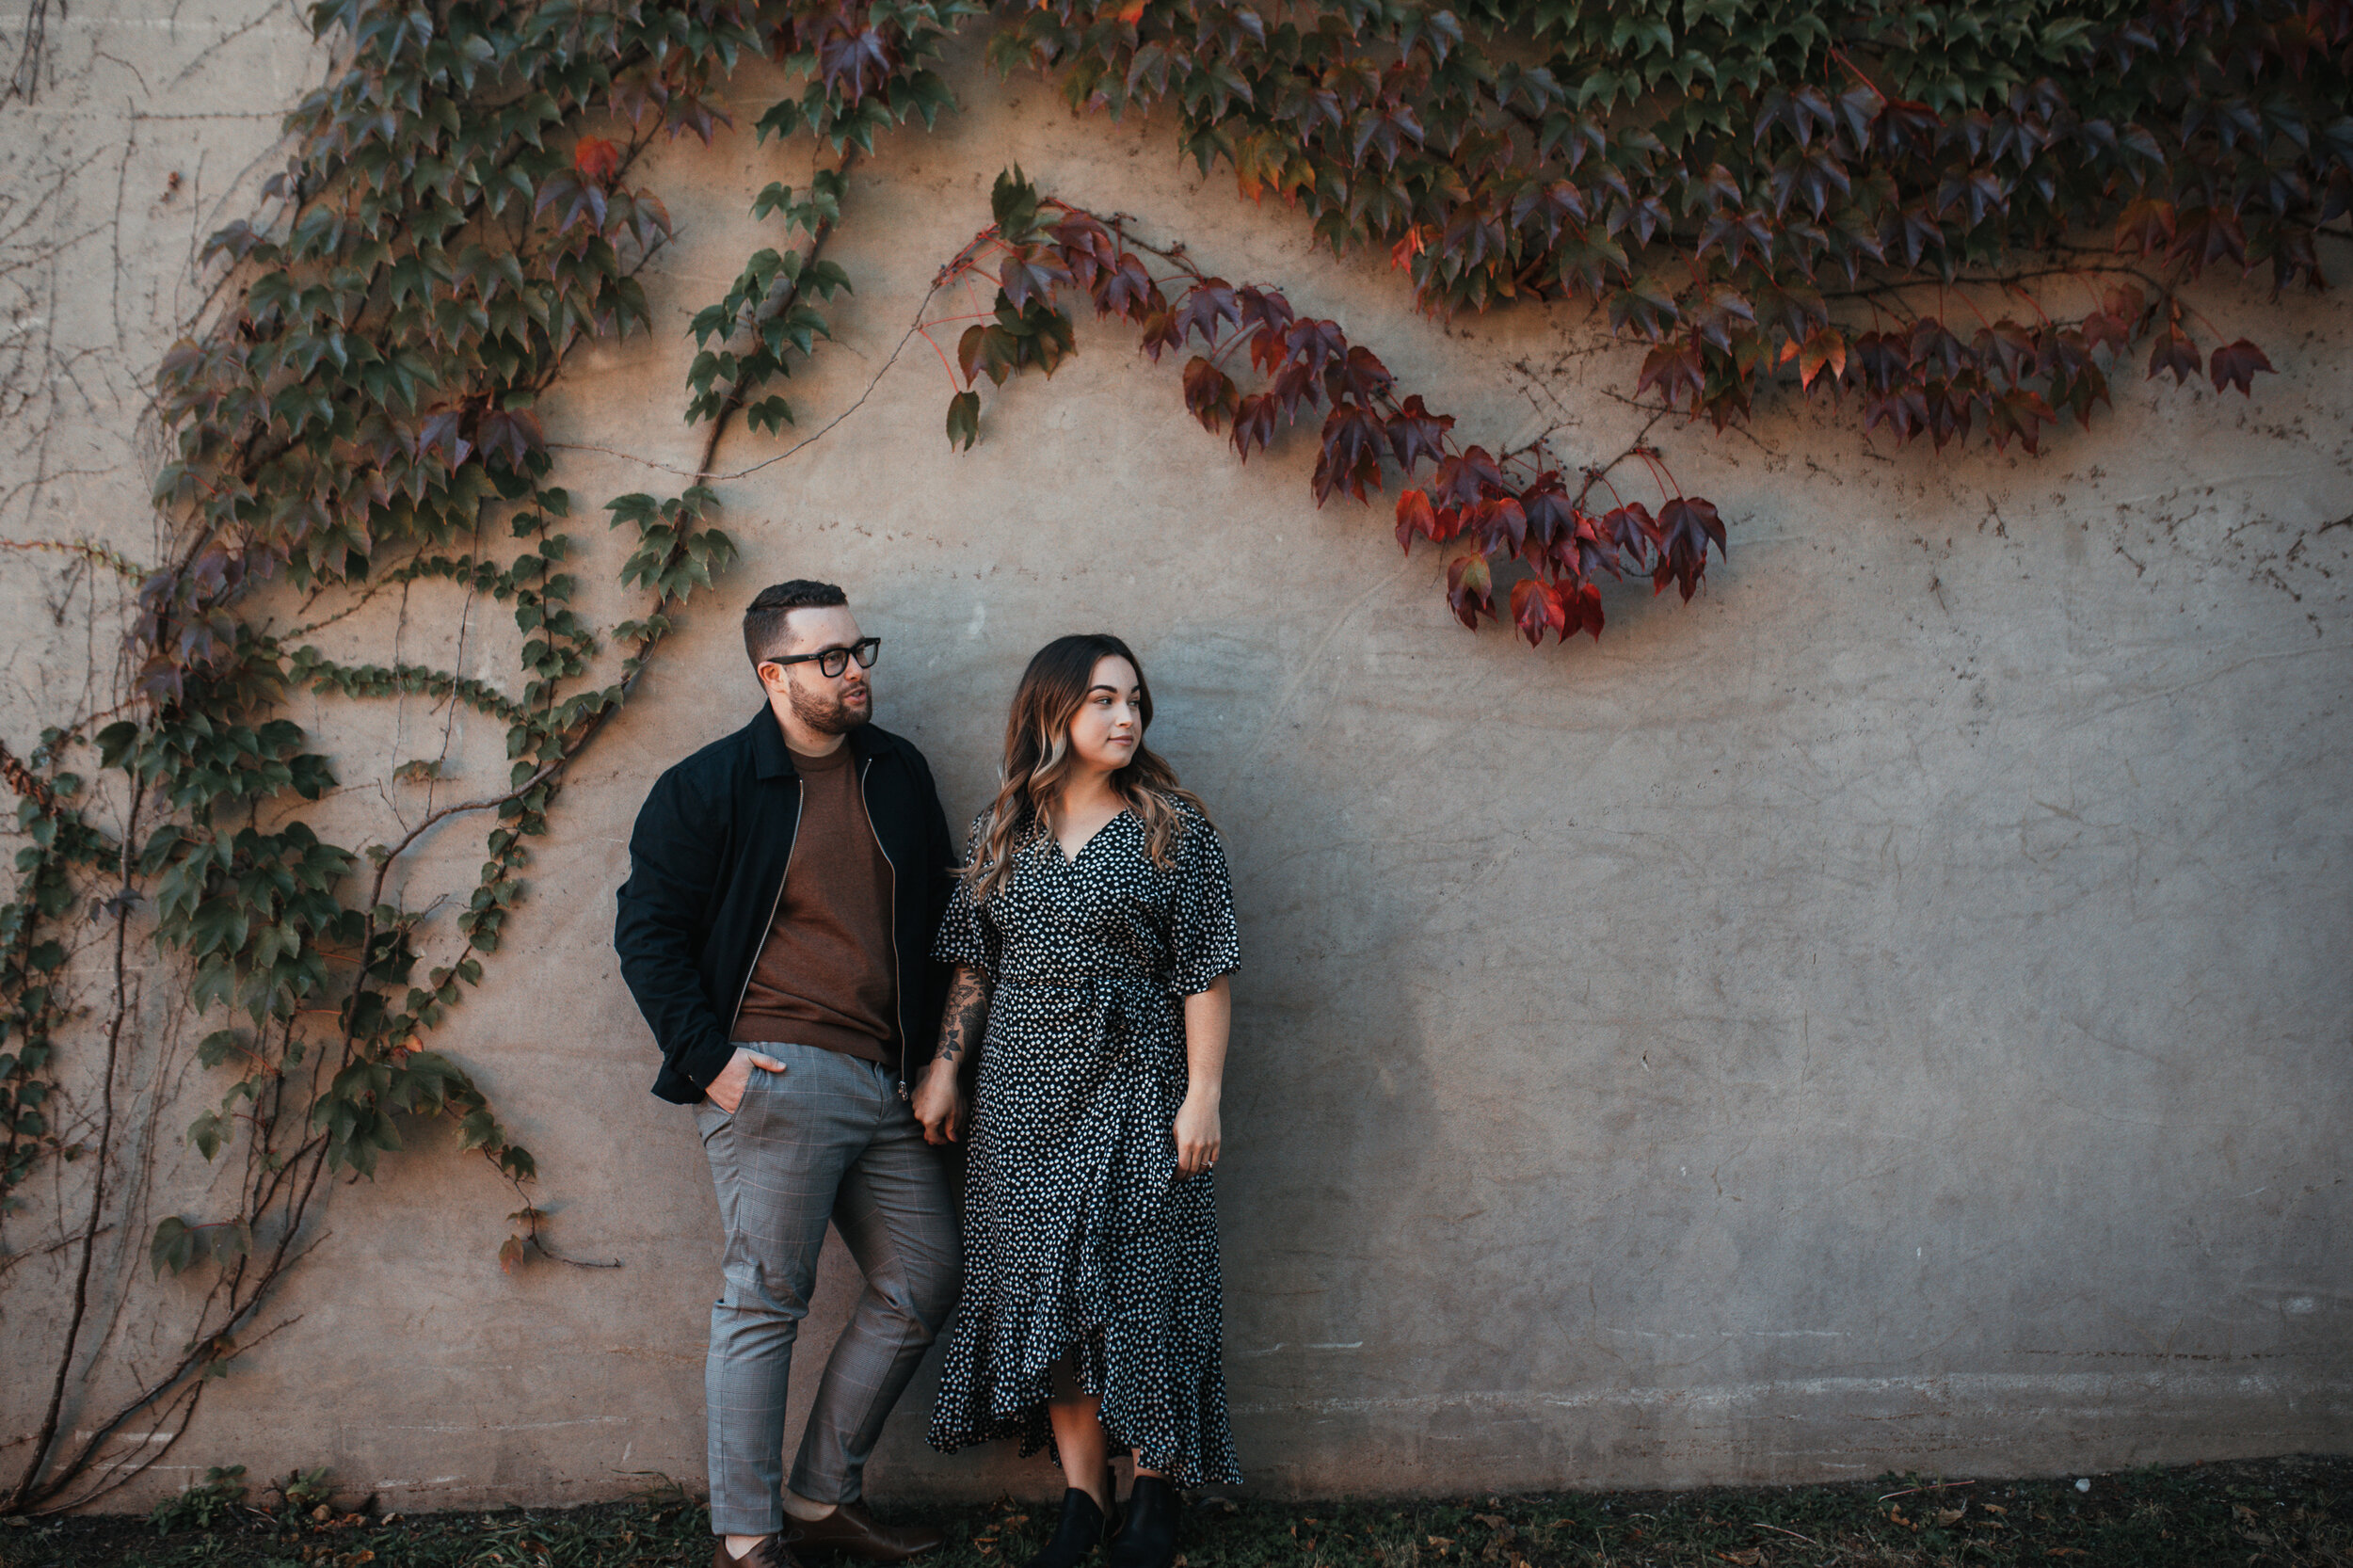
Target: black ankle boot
1082,1527
1148,1538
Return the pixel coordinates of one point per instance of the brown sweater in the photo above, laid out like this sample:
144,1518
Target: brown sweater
826,975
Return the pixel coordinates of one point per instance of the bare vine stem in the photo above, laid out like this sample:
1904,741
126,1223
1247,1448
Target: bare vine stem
46,1436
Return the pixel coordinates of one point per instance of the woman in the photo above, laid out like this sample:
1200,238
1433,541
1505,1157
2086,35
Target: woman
1092,935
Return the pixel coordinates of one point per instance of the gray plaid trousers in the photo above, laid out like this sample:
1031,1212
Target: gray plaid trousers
827,1139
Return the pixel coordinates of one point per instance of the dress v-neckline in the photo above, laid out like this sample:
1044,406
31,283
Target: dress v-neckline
1072,860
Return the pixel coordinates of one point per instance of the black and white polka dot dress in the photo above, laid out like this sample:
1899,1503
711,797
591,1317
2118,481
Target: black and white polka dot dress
1080,1241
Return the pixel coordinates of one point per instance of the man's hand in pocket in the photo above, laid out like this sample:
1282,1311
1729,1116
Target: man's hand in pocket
727,1090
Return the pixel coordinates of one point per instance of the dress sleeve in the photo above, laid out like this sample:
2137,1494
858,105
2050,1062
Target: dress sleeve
1201,933
962,939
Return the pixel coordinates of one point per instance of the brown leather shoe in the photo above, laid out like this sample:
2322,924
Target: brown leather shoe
770,1553
850,1528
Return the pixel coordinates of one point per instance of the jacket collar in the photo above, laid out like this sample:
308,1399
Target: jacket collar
772,758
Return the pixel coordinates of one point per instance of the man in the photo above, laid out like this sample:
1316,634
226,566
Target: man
784,886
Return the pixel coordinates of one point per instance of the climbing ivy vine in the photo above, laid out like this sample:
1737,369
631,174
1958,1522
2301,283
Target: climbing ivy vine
1952,217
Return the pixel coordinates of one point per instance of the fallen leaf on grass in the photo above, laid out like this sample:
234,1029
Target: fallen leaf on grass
1748,1557
1951,1515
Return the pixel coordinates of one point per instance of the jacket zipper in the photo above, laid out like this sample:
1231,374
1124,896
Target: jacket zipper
898,974
800,798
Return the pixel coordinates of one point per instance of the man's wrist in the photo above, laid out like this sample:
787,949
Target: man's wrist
703,1064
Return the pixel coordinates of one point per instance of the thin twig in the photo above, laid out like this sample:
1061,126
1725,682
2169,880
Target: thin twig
706,477
1940,1486
11,1260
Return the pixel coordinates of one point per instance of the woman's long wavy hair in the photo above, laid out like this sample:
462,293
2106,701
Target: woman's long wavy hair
1038,761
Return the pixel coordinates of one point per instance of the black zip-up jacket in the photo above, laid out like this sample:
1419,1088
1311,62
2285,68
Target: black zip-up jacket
707,863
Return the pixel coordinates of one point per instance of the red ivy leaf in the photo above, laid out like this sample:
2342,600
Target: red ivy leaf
1551,518
1128,290
1263,309
1204,306
1673,368
854,62
1315,344
1685,524
1361,376
440,430
1904,411
1160,332
1467,478
1501,525
1087,249
1032,272
1293,387
1470,590
1209,394
1415,516
2146,225
1353,436
1826,350
1580,609
2018,412
514,435
1268,349
1416,433
1254,422
1535,611
1883,359
595,159
1586,548
1633,530
2236,365
2204,235
2173,351
2104,328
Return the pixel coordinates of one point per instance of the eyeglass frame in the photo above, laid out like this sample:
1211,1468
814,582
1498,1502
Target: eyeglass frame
865,650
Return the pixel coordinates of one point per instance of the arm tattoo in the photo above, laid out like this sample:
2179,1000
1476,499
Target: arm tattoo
965,1019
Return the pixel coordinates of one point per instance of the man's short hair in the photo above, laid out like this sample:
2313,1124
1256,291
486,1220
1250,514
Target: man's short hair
763,622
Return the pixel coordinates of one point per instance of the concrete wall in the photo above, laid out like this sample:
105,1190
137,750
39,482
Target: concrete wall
1892,1012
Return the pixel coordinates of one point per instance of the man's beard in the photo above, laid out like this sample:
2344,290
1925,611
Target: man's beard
829,716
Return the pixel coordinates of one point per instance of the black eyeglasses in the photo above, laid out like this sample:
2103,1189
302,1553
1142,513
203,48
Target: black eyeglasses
831,662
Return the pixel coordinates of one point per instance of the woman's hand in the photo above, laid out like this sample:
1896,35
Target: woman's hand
727,1090
939,1103
1197,1132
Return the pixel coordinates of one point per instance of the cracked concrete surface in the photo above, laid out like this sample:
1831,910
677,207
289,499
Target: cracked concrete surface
1892,1012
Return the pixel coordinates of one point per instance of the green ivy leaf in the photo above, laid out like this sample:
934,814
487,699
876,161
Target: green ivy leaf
964,418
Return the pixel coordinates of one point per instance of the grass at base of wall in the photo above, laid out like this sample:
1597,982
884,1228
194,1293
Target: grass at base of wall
2262,1514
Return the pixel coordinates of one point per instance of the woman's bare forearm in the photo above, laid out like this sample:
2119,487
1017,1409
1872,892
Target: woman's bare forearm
1209,1019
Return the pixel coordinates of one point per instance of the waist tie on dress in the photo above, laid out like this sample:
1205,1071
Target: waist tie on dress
1123,1004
